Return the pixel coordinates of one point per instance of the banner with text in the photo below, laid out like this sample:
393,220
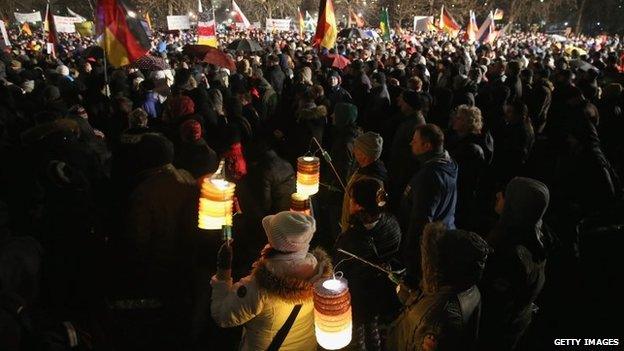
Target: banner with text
65,24
31,17
278,24
178,22
4,39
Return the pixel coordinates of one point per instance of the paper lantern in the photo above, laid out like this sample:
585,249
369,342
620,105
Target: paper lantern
308,175
300,203
332,313
215,203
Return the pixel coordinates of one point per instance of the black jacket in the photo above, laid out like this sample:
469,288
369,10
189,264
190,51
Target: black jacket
371,291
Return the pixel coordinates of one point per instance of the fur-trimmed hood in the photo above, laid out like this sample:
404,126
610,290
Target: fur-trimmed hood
288,287
311,113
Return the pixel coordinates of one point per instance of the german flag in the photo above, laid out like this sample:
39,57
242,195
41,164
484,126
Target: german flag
326,28
51,36
120,33
447,22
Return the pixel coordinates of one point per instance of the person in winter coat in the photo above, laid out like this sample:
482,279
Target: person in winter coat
537,94
367,150
472,149
151,103
514,142
281,280
402,165
275,75
375,236
430,196
271,181
515,272
344,133
377,105
336,93
443,314
192,153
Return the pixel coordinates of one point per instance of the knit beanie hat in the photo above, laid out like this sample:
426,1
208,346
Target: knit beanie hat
289,231
370,143
62,70
190,131
345,114
181,106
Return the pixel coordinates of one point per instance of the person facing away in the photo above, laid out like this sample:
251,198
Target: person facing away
443,313
367,150
430,196
374,235
515,273
280,280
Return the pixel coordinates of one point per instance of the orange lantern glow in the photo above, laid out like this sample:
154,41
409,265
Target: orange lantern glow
308,175
332,313
300,203
215,203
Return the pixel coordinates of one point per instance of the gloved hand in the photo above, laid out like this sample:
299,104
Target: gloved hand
224,257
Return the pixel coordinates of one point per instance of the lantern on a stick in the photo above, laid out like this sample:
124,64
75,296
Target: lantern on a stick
215,203
332,313
300,203
308,175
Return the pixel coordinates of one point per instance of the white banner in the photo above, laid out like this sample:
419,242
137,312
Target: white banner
422,23
31,17
74,14
4,40
279,24
65,24
178,22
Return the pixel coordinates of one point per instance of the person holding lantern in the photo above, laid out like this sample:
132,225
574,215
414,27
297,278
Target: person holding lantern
273,303
443,312
375,236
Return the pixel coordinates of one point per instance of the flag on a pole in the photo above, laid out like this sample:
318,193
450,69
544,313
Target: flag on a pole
200,8
74,14
447,23
206,28
498,14
26,28
384,24
310,23
239,16
120,33
356,19
148,20
472,28
487,32
326,28
51,36
301,21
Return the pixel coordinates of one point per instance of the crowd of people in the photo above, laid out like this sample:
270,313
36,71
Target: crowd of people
486,176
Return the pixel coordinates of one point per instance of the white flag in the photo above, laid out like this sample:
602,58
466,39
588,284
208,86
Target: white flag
240,16
82,19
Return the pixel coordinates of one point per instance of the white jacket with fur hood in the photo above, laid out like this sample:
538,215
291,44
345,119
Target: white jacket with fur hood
262,301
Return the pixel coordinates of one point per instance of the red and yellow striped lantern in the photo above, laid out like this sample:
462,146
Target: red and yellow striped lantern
308,175
215,203
332,313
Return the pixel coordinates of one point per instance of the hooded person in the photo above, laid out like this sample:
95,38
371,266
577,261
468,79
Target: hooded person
443,313
280,287
192,153
515,273
367,150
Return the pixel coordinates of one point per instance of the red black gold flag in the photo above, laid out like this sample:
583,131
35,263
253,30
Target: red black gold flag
326,29
120,33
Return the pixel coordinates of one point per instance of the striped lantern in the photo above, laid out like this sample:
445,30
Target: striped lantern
215,203
308,175
300,203
332,313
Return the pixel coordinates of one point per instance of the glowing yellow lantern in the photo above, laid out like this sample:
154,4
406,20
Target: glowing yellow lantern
215,203
308,175
300,203
332,313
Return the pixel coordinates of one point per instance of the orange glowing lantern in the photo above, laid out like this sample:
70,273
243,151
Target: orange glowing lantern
308,175
215,203
332,313
300,203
